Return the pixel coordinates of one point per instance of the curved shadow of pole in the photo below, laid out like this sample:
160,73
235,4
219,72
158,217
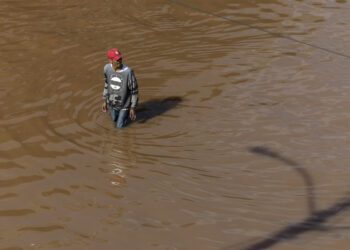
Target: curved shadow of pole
309,185
316,219
312,223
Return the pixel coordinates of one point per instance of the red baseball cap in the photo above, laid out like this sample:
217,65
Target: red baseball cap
114,54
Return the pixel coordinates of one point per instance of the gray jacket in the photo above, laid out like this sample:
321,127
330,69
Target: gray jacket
121,89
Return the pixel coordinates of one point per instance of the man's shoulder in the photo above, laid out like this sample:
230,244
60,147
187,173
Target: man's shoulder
126,69
107,67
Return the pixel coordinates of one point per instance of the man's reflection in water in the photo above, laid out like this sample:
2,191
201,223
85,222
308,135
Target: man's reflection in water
118,176
121,156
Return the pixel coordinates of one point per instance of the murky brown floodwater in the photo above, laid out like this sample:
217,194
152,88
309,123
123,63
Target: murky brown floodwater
242,140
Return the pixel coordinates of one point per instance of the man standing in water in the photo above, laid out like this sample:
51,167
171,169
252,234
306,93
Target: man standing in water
120,92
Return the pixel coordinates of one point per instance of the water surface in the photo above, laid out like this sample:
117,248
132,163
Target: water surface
242,137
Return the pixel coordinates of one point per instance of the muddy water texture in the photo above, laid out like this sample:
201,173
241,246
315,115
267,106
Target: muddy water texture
242,137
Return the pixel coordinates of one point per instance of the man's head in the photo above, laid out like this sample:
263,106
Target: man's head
115,57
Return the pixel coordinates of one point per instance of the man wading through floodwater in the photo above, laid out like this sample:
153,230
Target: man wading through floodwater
120,92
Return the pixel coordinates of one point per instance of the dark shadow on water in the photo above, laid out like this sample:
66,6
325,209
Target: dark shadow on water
156,107
309,185
315,221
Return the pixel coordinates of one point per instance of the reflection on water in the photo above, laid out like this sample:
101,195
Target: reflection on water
216,78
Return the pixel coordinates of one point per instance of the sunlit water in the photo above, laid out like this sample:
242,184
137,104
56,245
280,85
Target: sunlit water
242,136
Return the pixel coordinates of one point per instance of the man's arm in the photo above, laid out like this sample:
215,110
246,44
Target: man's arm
134,91
105,93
